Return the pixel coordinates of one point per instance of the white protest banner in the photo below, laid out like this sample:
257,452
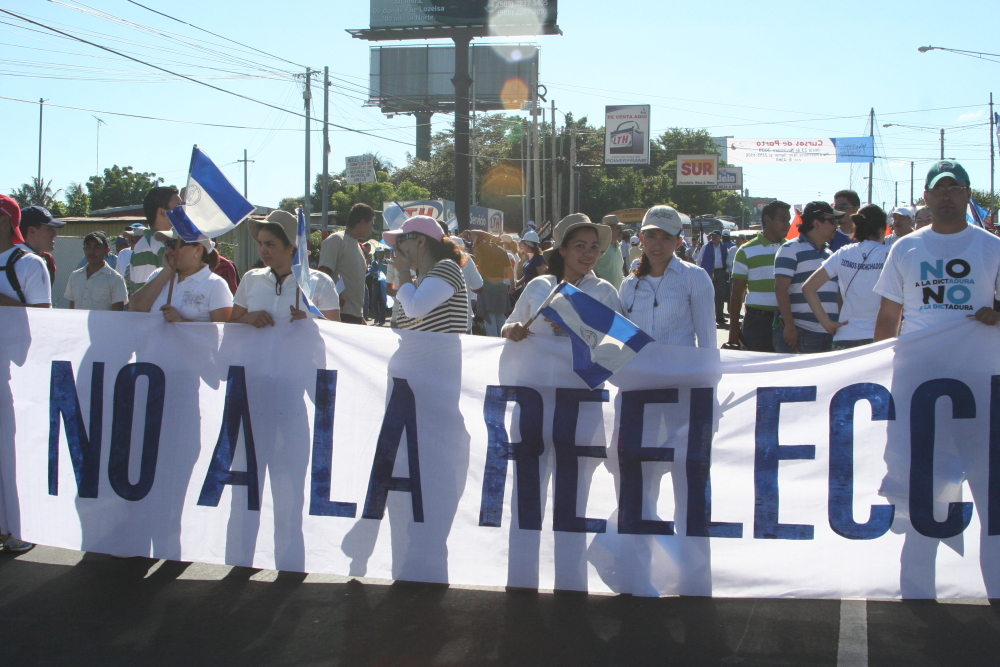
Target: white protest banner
324,447
360,169
626,134
697,169
799,151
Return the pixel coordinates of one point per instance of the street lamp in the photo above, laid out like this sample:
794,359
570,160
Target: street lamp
961,52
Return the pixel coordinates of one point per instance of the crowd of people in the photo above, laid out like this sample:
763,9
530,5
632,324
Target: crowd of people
842,282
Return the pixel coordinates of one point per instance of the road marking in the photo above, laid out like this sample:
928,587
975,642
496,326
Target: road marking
852,647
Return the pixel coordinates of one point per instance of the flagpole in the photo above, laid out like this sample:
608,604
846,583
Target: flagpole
545,304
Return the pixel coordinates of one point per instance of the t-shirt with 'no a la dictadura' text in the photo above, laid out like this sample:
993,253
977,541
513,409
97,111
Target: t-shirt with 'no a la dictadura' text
941,277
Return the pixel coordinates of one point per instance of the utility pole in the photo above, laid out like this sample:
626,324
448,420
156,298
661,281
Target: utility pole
246,165
912,201
536,170
326,150
897,194
307,99
473,131
574,196
97,160
942,143
462,83
871,165
524,178
552,192
41,105
528,168
993,192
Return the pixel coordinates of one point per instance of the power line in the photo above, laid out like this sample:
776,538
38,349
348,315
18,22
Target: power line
192,80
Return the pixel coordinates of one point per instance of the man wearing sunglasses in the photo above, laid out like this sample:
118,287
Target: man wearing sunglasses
848,203
797,329
945,272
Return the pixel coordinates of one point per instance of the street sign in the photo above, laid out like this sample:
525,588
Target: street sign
360,169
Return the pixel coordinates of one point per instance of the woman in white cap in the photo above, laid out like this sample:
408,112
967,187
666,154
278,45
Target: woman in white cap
578,244
269,293
198,295
533,264
666,297
438,300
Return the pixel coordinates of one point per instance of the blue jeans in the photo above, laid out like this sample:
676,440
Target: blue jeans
810,342
493,323
756,329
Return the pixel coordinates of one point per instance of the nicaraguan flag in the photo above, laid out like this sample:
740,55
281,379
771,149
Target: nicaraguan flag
212,206
394,215
976,215
452,224
603,340
300,268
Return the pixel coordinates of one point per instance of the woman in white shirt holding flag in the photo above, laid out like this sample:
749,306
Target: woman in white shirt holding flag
578,244
270,293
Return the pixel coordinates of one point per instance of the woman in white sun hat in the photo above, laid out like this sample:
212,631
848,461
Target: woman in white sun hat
578,244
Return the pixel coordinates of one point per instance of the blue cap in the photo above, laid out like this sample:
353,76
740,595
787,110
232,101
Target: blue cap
32,216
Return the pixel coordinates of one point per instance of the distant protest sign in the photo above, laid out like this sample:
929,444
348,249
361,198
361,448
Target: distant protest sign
360,169
626,134
316,446
800,151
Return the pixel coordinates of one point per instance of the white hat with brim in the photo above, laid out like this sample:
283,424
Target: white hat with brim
288,223
172,235
576,221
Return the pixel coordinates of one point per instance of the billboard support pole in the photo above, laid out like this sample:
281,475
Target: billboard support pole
552,192
574,204
472,143
524,178
307,99
871,165
462,82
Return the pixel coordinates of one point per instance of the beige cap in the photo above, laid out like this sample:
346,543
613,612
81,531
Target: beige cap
664,218
288,223
610,220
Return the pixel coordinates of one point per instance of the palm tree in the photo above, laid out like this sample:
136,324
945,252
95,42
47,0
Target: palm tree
36,193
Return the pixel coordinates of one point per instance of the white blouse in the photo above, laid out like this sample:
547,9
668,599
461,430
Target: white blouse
259,291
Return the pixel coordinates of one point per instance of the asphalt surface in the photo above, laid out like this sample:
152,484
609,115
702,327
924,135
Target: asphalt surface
63,607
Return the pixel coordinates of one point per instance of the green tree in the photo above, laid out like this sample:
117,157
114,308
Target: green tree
35,193
77,201
120,186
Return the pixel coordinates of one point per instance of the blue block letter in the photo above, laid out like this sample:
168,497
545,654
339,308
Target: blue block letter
769,452
84,452
235,413
322,455
841,501
567,468
631,454
699,466
963,406
525,453
400,414
121,430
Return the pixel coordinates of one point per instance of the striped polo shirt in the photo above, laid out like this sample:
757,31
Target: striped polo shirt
799,259
451,316
754,263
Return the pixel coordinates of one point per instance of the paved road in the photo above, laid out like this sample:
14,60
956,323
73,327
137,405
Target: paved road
61,607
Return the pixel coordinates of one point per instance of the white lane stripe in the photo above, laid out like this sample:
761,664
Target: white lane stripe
852,647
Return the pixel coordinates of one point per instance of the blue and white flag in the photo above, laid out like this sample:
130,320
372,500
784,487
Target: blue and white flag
212,206
976,215
452,224
603,340
300,268
394,215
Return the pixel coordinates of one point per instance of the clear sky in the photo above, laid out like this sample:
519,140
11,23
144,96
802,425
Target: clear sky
762,69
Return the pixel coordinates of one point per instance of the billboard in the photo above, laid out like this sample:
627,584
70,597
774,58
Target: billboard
497,14
360,169
801,151
697,169
729,178
486,219
405,79
626,134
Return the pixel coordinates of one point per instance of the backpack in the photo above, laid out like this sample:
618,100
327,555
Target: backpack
12,276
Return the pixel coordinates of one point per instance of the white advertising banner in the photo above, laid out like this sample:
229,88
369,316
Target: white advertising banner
697,169
799,151
626,134
325,447
360,169
729,178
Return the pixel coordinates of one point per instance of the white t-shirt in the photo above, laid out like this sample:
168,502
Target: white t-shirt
33,275
196,296
98,292
857,267
258,291
941,277
536,291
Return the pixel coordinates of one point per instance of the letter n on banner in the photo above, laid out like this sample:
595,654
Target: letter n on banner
84,451
235,413
525,453
400,415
